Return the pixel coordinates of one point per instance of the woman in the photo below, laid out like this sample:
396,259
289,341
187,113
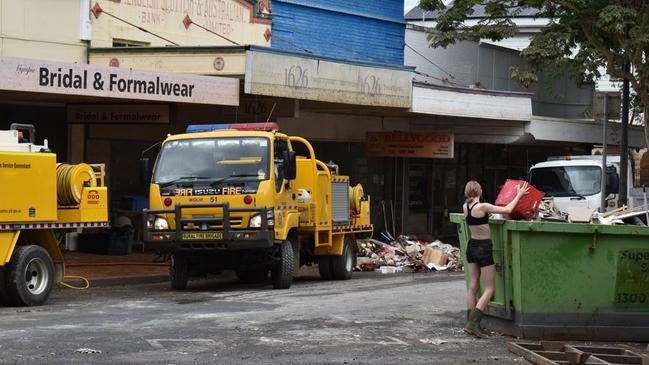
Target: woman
479,251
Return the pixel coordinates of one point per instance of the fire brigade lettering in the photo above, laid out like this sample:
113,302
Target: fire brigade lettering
183,192
207,191
231,191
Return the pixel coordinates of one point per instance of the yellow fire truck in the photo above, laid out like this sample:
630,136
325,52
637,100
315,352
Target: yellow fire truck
40,199
238,197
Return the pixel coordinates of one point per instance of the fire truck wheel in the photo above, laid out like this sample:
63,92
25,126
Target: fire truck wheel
253,276
344,264
29,276
178,272
282,272
324,265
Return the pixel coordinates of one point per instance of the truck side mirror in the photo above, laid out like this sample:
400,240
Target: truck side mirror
612,181
290,165
145,170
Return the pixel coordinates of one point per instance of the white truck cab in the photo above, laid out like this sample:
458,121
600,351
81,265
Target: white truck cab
575,181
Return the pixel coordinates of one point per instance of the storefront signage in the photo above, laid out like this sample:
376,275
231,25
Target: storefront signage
313,79
118,113
405,144
241,21
19,74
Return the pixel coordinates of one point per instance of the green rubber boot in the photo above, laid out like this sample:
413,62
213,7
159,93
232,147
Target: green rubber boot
473,325
468,315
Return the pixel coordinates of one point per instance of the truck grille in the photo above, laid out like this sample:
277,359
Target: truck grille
340,201
235,222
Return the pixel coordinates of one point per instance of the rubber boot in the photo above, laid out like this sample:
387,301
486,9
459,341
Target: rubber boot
473,325
468,314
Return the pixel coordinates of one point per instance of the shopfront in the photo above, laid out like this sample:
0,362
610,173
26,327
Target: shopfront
100,114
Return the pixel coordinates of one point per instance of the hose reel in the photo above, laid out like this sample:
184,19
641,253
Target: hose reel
356,194
70,181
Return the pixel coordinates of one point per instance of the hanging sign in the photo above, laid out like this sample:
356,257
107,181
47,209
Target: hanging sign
406,144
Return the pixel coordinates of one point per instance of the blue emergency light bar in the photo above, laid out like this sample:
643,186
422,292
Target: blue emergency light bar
268,126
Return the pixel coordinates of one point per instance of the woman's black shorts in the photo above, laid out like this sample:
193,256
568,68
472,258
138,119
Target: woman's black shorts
480,252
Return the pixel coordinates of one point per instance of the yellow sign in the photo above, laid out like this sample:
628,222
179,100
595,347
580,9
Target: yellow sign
203,236
406,144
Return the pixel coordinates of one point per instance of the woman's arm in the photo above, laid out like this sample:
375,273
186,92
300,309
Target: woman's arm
520,191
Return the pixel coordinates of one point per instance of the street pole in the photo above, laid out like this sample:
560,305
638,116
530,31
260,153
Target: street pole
602,208
624,143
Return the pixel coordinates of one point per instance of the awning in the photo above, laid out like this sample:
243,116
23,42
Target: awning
471,103
581,131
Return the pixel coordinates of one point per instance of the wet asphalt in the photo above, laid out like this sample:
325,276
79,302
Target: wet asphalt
371,319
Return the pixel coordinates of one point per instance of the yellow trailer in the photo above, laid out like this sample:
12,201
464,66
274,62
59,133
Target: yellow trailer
240,198
40,199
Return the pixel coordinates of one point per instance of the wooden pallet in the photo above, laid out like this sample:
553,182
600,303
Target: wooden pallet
561,353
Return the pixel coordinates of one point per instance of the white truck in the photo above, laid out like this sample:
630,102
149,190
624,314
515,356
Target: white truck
575,181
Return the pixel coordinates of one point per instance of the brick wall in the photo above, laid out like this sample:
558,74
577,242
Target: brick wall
370,31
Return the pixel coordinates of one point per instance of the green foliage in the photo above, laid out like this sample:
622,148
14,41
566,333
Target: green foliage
582,37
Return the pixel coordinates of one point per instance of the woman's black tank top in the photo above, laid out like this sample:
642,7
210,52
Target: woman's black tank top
473,221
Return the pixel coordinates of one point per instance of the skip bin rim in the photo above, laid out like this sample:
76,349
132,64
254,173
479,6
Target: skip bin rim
556,227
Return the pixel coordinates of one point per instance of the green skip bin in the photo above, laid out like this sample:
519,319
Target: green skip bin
567,280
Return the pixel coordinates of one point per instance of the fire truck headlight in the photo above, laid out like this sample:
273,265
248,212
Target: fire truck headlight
255,221
160,224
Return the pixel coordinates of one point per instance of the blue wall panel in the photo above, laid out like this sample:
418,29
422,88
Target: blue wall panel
360,30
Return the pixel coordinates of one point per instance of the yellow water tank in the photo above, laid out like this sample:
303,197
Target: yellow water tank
27,187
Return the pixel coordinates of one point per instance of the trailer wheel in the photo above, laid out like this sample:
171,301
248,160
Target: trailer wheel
343,265
324,266
252,276
282,272
29,276
178,272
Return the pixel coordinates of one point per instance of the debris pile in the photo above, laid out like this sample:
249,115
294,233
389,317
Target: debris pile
622,215
548,211
408,254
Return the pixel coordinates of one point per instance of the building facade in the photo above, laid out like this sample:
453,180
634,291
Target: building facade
366,31
410,123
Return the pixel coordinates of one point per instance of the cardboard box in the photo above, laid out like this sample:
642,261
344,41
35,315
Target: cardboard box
434,256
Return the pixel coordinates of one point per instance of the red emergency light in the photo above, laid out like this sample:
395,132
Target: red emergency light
266,126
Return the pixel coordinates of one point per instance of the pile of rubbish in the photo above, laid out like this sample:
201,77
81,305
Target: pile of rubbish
623,215
534,205
406,254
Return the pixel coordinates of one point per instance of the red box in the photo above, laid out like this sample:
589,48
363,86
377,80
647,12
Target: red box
527,206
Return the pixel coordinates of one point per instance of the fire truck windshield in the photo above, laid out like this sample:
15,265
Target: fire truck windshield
213,159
